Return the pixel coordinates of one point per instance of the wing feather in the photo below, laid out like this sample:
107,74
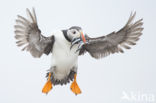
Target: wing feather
29,35
115,42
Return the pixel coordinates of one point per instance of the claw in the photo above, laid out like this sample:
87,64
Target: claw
48,86
74,87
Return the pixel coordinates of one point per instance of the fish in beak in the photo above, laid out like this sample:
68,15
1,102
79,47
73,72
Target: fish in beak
80,40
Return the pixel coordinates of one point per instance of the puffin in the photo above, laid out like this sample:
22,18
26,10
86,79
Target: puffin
68,44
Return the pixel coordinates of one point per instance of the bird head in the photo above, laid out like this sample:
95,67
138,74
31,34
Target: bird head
75,33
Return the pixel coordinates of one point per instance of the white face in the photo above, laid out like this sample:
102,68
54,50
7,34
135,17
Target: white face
73,33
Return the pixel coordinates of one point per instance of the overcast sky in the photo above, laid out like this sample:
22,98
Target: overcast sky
103,81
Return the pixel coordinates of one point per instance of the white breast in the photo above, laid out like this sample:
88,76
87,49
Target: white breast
62,57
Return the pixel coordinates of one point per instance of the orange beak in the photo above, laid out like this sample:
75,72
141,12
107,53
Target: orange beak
83,37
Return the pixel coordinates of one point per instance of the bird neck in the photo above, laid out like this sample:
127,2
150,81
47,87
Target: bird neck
65,35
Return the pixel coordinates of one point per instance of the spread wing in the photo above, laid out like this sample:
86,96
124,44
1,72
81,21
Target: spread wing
29,36
114,42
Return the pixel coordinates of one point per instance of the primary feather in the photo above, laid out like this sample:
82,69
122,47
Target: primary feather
29,35
114,42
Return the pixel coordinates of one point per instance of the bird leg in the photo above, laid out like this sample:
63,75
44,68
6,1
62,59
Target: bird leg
74,86
48,86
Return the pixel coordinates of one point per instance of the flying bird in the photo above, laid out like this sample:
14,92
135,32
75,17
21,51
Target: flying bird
67,45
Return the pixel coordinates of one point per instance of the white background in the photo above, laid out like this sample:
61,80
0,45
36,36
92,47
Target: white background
22,76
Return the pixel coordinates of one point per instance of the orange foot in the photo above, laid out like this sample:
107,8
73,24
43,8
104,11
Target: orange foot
48,86
74,86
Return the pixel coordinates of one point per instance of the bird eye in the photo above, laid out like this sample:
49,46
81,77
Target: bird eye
74,32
